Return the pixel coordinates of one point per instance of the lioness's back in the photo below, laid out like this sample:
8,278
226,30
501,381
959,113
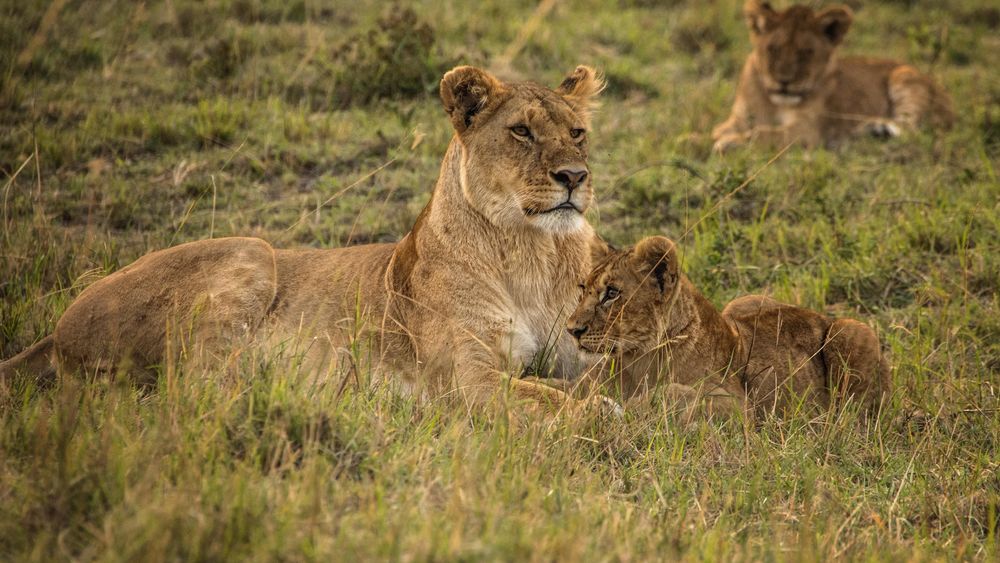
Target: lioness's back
131,309
325,282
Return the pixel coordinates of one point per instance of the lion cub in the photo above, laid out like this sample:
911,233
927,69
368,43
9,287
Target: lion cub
794,88
639,311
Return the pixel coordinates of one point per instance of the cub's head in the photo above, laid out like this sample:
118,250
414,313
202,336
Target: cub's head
794,47
525,146
626,299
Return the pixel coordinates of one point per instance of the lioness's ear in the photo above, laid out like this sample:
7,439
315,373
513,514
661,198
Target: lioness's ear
656,257
758,15
834,22
465,92
580,89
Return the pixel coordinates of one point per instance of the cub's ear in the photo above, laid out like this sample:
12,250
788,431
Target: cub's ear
580,90
834,22
656,257
465,92
599,249
759,15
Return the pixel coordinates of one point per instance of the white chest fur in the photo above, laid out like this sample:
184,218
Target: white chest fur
533,336
787,117
538,311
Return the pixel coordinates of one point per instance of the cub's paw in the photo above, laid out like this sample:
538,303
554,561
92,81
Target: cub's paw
883,129
604,406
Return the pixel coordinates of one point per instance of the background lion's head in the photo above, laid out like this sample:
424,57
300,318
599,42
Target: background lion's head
794,47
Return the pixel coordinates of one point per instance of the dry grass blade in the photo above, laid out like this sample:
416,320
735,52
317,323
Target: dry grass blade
344,190
504,62
734,191
42,33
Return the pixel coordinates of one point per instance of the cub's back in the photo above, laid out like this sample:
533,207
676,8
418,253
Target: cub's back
775,332
782,358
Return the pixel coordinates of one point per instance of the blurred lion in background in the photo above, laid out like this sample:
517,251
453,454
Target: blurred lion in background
795,89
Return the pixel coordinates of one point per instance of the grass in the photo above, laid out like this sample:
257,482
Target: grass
130,127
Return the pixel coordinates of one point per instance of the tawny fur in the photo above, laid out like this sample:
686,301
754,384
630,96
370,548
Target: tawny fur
795,89
480,285
759,354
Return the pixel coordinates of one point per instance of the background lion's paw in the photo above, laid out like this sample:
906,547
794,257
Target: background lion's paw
883,128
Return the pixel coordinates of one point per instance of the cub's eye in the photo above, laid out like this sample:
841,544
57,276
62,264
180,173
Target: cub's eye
521,131
582,287
610,294
806,54
773,50
576,133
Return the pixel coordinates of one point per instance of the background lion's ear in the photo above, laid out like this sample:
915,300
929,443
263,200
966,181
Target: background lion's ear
465,92
834,22
657,258
758,15
580,89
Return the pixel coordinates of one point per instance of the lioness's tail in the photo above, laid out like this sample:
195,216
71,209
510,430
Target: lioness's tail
855,364
35,360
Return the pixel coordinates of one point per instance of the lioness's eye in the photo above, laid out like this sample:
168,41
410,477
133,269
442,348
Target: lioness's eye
521,131
610,294
576,133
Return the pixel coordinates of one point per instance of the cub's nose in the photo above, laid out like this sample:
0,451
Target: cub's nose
577,331
570,177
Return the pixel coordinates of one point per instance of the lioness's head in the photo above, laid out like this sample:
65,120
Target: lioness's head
627,297
794,47
525,146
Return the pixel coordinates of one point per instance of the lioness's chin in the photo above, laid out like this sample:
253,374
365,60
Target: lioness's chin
563,221
785,99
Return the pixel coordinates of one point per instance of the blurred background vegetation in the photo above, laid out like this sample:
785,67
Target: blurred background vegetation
130,126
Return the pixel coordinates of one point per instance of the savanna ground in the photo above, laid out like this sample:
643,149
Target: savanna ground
128,127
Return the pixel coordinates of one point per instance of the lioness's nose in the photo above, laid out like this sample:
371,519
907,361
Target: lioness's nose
577,331
570,177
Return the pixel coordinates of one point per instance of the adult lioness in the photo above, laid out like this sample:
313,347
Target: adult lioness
480,284
641,311
794,88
